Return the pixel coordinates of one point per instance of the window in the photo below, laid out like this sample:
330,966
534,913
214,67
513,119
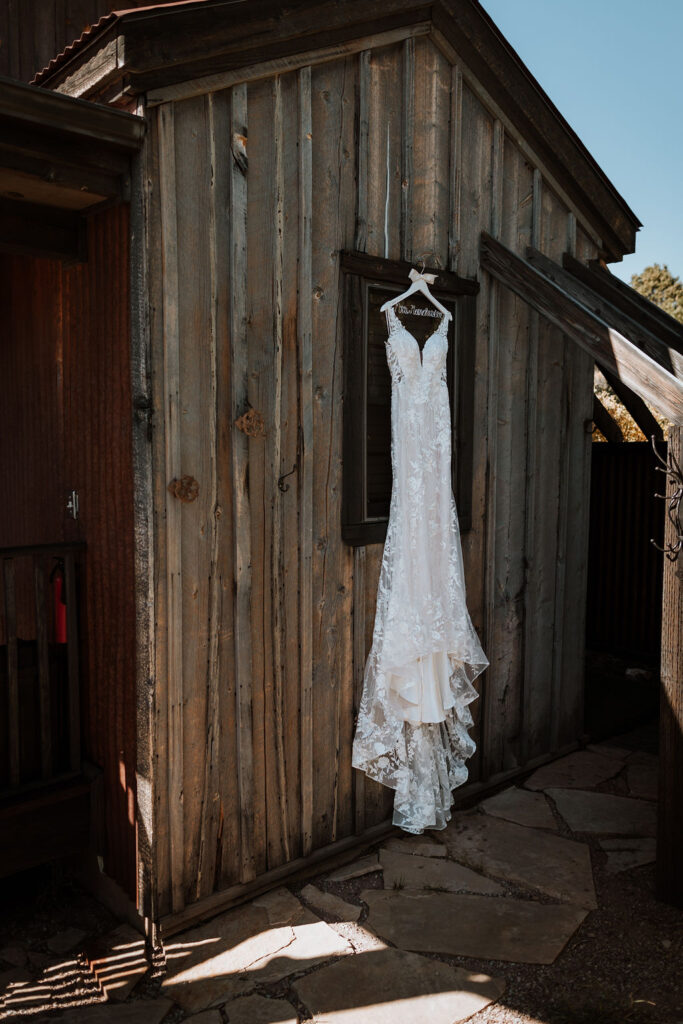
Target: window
368,282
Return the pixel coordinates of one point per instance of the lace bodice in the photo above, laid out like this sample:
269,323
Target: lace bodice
421,369
413,718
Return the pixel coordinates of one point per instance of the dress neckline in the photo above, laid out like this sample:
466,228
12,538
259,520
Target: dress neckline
395,322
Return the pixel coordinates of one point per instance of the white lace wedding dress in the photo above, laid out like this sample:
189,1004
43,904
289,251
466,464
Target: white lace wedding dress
412,732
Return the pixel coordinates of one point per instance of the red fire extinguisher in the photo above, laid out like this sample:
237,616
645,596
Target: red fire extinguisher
59,601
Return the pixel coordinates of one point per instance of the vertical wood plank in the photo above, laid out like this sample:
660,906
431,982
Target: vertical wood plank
579,391
174,617
333,100
507,600
430,199
407,142
305,360
40,584
148,756
13,726
293,211
223,816
455,167
543,682
364,87
670,791
359,656
263,466
530,637
72,669
209,820
239,361
381,188
155,430
475,215
491,679
286,563
197,447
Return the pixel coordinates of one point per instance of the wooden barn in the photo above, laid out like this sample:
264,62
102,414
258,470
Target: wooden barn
234,491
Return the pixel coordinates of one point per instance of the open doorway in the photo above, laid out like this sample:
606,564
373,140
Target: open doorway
625,569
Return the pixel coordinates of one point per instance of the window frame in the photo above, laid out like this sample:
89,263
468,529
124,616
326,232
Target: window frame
360,272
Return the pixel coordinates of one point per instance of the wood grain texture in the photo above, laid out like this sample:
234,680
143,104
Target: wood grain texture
475,214
429,195
306,451
506,602
670,789
173,511
384,175
241,510
333,96
545,555
262,367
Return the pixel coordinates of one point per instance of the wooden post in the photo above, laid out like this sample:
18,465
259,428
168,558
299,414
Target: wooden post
670,807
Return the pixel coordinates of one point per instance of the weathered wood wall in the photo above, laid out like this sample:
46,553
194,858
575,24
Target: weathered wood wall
65,412
265,616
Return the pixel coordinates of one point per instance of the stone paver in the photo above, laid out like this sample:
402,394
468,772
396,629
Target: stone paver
327,902
358,868
391,986
138,1012
259,943
553,865
118,960
522,807
583,769
419,845
628,852
64,942
407,871
520,931
610,751
259,1010
207,1017
642,781
603,812
642,757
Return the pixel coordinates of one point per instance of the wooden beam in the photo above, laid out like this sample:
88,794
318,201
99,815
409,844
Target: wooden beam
649,379
665,348
292,62
46,110
608,427
631,302
635,406
670,805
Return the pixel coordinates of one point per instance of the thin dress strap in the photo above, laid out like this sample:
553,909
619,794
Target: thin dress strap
392,319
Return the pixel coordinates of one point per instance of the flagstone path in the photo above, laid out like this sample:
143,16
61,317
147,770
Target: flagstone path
435,929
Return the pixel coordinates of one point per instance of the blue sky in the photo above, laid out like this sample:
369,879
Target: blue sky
613,69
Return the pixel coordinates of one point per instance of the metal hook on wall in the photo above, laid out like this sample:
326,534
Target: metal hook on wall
422,256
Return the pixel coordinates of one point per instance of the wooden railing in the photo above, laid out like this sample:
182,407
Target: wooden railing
39,666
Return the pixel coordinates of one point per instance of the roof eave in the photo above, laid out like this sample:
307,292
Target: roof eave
142,61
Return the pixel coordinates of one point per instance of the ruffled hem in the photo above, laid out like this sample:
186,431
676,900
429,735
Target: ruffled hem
424,762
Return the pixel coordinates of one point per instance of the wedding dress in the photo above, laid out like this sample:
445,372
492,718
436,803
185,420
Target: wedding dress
412,731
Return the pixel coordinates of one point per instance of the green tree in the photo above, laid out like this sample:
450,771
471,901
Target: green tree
660,286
